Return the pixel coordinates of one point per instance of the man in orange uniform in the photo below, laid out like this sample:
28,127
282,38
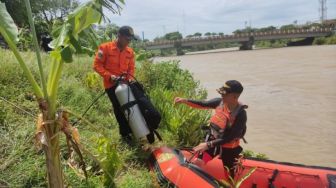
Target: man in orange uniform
227,124
112,60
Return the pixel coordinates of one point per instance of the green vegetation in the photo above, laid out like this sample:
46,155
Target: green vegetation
164,82
249,153
325,40
271,43
45,13
108,161
53,120
43,10
232,183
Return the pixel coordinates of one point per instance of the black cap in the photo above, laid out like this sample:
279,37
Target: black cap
231,86
127,31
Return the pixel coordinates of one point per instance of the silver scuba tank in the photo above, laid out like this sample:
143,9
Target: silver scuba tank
133,114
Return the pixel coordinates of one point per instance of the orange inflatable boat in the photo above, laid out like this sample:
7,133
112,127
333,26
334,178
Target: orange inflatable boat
174,169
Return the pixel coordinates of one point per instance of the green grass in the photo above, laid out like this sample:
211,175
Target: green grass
22,163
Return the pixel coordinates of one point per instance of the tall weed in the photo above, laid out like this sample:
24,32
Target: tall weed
165,81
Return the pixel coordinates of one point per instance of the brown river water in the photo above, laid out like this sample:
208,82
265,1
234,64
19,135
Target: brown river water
291,93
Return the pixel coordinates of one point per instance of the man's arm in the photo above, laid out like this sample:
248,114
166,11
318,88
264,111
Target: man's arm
234,132
99,62
209,104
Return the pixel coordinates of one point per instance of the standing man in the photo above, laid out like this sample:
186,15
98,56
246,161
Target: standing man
227,124
112,60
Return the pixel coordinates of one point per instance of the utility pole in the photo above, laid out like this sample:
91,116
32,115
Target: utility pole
184,22
323,10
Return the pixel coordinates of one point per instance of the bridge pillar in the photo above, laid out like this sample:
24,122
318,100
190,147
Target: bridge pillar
178,46
247,45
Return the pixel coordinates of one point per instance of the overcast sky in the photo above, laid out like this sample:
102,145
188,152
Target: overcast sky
157,17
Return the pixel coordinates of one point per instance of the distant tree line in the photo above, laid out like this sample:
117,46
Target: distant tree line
47,14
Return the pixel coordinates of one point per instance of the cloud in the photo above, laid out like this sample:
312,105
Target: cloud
157,17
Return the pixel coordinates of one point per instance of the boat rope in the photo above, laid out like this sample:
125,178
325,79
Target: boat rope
88,108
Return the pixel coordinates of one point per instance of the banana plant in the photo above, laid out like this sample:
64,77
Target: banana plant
53,121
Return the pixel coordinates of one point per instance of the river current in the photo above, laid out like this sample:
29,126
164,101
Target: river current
291,94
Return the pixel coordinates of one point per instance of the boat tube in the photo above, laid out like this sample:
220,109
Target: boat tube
179,168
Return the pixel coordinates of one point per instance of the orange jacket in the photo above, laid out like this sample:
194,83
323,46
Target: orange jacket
221,119
110,61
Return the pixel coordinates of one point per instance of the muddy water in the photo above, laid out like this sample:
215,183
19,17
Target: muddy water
291,93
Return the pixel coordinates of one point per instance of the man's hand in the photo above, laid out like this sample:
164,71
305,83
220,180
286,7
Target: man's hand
178,100
201,147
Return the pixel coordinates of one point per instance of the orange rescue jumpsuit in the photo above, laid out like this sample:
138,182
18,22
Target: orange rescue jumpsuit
110,61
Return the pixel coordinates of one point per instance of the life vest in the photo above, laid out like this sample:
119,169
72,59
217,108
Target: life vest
222,120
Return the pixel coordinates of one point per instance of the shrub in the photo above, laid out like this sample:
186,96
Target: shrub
331,40
169,76
319,41
164,81
249,153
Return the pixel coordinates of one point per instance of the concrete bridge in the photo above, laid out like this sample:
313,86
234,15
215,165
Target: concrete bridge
246,39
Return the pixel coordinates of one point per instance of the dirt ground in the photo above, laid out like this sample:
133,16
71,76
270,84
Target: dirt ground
291,93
